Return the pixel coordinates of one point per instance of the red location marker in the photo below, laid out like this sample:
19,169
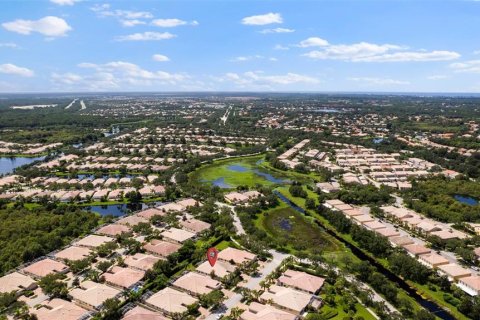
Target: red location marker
212,255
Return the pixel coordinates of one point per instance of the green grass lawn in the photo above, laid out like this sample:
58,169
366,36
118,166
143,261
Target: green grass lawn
337,312
298,233
236,172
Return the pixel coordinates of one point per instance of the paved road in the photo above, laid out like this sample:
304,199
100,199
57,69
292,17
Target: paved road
236,220
253,283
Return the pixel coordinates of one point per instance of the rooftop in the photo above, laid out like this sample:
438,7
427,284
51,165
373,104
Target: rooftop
301,280
139,313
93,241
141,261
257,311
16,282
58,309
235,255
93,294
196,283
287,298
45,267
171,300
73,253
123,277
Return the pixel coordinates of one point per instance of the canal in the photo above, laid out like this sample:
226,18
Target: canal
427,304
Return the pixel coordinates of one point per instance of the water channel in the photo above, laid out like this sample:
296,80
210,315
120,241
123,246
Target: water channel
427,304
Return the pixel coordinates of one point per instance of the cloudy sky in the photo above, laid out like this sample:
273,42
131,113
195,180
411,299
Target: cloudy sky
240,45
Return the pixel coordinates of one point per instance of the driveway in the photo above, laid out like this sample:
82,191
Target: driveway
251,284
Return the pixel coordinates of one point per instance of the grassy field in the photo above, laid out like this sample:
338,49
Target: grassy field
337,312
298,233
238,171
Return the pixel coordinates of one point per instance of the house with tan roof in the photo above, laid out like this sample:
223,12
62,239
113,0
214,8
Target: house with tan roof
44,267
73,253
190,202
220,269
235,197
258,311
113,230
139,313
150,213
58,309
123,278
161,248
141,261
170,301
132,220
194,225
92,295
388,232
374,225
415,250
171,207
453,271
432,260
177,235
301,281
470,285
196,284
93,241
16,282
236,256
287,298
401,241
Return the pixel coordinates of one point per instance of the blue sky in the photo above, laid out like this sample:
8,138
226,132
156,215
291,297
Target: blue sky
244,45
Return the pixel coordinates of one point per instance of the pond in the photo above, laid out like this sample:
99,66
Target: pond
235,172
7,165
466,199
220,182
118,210
285,224
431,306
269,177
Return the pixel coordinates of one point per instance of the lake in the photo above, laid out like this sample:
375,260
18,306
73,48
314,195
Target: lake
466,199
118,210
7,165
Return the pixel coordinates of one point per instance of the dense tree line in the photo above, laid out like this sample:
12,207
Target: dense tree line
434,197
28,234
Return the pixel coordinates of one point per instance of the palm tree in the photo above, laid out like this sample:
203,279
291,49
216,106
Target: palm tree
235,313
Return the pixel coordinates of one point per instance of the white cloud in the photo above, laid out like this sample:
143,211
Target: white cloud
132,23
256,78
249,58
117,75
65,2
12,69
146,36
370,52
313,42
246,58
170,23
280,47
378,81
471,66
160,58
413,56
277,30
263,19
127,18
132,72
437,77
8,45
67,78
49,26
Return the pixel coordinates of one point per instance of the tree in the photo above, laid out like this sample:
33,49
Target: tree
53,286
